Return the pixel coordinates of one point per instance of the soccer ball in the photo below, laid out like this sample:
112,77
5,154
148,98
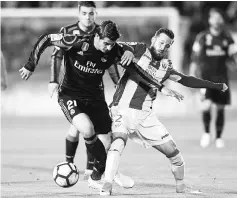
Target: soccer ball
65,174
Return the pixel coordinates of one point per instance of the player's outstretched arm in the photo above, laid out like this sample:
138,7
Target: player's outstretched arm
43,42
193,82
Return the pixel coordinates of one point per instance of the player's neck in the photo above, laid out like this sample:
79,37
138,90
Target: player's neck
86,29
215,31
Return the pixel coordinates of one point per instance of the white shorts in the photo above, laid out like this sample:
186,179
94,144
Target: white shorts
141,126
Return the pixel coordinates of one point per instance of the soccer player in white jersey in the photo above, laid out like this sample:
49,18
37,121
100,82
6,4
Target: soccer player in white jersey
132,113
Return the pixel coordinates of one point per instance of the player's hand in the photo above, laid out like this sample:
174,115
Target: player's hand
52,87
225,87
127,58
25,73
169,92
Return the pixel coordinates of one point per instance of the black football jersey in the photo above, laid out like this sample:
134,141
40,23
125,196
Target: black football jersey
84,64
212,55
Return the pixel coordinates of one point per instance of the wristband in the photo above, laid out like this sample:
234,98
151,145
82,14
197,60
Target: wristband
161,87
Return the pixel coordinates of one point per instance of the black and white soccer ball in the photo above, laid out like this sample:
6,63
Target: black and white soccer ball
65,174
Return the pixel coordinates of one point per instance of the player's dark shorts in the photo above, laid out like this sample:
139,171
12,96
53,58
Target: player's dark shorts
97,111
218,97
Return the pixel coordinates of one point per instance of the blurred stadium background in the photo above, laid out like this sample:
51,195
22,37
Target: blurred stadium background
33,125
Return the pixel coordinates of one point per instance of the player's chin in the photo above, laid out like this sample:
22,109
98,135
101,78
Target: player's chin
105,51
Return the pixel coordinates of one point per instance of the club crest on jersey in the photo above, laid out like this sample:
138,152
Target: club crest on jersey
56,37
85,46
103,60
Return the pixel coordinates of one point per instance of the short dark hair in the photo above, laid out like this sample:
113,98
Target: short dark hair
217,10
108,29
166,31
86,4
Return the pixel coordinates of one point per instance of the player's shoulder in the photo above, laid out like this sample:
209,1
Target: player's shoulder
70,29
226,34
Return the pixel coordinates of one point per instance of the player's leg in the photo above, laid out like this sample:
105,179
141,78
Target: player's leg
206,104
220,99
119,139
102,124
72,140
90,158
220,121
170,150
75,111
113,161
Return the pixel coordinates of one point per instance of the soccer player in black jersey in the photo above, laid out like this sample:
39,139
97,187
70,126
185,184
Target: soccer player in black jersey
85,26
80,95
211,49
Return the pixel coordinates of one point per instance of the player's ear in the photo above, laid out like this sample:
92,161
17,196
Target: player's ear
153,39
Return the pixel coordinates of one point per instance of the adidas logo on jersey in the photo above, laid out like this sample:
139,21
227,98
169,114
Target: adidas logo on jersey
103,60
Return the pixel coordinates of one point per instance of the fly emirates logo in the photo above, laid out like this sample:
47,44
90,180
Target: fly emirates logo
88,68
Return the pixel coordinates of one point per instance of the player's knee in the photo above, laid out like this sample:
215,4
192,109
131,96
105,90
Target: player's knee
118,144
83,124
106,140
177,159
73,132
206,105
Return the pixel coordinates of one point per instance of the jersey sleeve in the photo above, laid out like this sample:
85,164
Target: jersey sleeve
44,41
114,73
175,75
56,61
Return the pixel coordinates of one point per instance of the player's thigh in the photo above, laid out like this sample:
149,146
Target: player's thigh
169,148
76,113
152,131
99,114
119,124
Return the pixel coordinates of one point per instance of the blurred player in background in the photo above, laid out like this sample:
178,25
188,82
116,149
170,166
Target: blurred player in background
211,50
132,113
85,26
3,73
